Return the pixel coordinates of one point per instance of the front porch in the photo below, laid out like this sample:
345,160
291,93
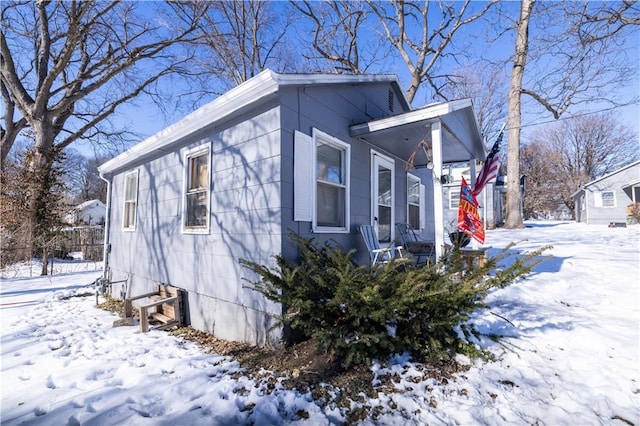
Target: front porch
426,140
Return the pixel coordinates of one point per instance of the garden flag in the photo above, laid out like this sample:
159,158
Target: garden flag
469,220
490,168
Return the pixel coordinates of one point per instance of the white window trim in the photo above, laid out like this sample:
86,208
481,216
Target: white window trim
613,192
374,195
194,152
124,201
452,191
421,200
337,143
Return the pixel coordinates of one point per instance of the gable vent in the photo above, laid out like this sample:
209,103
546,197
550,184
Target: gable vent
390,100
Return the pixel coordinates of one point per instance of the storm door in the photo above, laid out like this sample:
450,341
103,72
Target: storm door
382,197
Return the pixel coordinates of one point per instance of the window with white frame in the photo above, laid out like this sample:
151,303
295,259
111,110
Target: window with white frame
332,184
130,201
608,199
454,198
413,201
196,191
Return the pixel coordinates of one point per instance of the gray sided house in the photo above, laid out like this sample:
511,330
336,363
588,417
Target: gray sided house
318,155
611,198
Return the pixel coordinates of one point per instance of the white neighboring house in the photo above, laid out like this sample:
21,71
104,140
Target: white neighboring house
610,198
90,212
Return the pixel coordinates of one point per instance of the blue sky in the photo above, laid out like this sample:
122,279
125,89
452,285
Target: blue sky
145,118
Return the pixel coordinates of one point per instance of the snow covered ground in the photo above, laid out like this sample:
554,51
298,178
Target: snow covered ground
572,355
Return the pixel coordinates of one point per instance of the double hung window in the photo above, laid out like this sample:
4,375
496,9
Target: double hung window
413,202
130,201
321,182
332,163
197,189
608,199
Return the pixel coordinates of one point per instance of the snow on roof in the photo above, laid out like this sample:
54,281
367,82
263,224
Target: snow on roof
612,173
251,92
583,187
89,203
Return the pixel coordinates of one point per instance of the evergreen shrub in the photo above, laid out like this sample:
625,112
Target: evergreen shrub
358,313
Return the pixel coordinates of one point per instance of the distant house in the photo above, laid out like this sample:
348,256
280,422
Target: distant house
611,198
318,155
488,208
92,212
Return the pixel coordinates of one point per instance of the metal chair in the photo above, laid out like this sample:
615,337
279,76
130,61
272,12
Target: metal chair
422,250
377,254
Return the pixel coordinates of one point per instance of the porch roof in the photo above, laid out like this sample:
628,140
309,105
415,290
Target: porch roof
631,184
401,134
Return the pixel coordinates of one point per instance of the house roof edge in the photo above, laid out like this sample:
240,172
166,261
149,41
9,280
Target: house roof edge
628,166
250,92
583,187
242,95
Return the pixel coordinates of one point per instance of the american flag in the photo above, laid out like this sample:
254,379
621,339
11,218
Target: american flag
490,168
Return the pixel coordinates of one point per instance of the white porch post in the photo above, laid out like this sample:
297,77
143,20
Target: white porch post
438,209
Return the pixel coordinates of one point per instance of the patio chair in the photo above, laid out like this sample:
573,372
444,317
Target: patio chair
422,250
378,254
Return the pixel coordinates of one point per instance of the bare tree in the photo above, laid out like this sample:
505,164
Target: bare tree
539,163
486,84
574,60
19,239
513,217
82,178
66,66
243,38
93,187
562,157
423,53
337,39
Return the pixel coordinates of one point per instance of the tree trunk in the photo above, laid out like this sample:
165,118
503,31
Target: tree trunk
39,165
45,261
514,197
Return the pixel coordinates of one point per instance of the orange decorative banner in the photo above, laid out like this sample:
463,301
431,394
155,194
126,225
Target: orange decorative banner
469,220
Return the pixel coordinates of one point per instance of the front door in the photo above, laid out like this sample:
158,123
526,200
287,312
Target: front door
382,197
